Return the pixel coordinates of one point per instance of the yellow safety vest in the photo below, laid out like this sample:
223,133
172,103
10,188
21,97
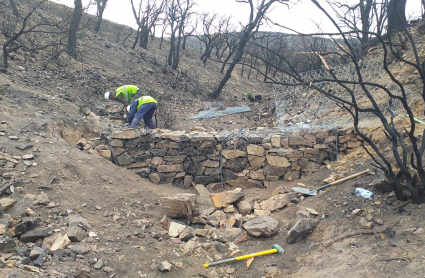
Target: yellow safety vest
128,91
145,99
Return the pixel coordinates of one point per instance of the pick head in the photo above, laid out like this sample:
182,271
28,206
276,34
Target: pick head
278,248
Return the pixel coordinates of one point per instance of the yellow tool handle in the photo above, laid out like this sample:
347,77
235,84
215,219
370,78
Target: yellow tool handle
271,251
350,177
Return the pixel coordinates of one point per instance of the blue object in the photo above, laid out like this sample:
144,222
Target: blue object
363,192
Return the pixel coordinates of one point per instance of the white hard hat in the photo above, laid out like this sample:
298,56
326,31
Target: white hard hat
107,94
128,108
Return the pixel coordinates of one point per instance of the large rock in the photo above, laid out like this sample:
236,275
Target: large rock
75,234
236,164
256,161
227,234
24,225
124,159
244,207
255,150
7,244
223,199
215,218
229,154
36,234
206,206
299,141
61,242
180,205
245,183
301,229
76,220
278,161
127,134
170,168
262,226
175,229
7,203
276,202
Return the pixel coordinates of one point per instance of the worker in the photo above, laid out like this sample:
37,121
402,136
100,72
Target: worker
143,107
124,94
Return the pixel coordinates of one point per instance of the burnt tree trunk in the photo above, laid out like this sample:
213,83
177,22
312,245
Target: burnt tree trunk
73,27
100,10
396,16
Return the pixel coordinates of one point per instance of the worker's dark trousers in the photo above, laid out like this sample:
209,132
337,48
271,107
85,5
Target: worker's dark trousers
146,112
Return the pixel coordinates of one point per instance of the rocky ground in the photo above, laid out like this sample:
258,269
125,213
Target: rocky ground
72,213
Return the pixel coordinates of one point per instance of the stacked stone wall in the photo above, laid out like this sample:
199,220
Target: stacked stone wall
184,159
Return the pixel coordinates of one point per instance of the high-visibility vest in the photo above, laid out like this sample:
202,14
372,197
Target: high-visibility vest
145,99
128,91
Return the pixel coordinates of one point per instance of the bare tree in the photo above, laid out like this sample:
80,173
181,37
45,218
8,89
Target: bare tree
187,34
178,14
101,5
24,33
146,18
73,28
256,16
14,8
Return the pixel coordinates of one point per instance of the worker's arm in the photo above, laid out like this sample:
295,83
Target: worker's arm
133,110
121,99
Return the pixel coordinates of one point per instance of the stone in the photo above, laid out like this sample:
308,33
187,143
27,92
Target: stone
278,161
126,134
23,225
299,142
244,183
117,143
227,234
187,181
236,165
256,161
196,169
261,226
36,234
98,264
322,135
205,204
178,159
215,218
41,259
311,167
292,175
274,171
207,179
276,202
24,147
212,171
156,160
79,249
44,186
187,233
28,156
35,252
211,164
7,203
165,266
175,229
108,269
3,229
244,207
352,145
7,244
256,175
106,153
75,234
301,229
155,178
276,141
41,199
260,212
223,199
229,154
255,150
75,220
179,205
170,168
124,159
144,172
61,242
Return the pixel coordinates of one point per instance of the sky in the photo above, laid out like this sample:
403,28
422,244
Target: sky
301,17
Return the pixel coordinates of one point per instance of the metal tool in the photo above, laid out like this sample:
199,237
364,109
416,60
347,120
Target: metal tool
276,249
314,191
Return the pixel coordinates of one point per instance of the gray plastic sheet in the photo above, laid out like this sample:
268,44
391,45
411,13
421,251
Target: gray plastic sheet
228,111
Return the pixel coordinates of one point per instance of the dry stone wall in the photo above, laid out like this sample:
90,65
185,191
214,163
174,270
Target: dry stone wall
184,159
